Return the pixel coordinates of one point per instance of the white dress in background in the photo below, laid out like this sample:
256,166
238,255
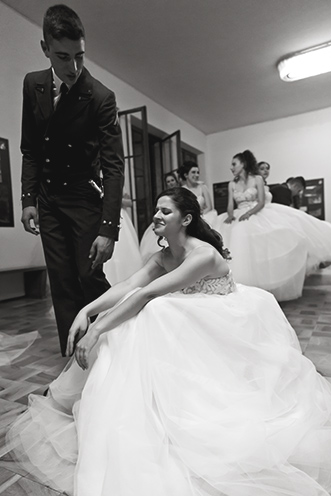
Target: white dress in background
126,259
204,393
277,247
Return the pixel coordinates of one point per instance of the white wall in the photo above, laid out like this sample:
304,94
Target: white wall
20,53
295,146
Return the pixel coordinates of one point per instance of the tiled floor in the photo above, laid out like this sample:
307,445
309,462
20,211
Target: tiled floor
31,372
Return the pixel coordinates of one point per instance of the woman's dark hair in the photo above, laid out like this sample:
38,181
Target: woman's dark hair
60,22
249,161
187,203
263,163
171,174
185,169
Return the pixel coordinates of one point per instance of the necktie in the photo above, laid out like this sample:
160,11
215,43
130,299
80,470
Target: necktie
61,96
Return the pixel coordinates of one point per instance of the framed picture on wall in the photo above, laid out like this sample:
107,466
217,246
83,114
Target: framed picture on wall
220,191
312,200
6,196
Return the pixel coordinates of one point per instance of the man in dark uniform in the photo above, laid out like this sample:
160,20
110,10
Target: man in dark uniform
289,193
70,132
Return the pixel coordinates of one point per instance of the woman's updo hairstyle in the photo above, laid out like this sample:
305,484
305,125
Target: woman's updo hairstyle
186,202
185,169
249,161
263,163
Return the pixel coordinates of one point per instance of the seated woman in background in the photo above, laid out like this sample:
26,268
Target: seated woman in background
315,232
265,254
126,259
186,384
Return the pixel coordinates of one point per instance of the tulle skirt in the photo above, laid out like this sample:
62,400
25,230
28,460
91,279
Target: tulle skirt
11,347
273,249
198,395
126,259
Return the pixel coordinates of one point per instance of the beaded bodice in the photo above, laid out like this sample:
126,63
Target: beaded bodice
216,286
247,198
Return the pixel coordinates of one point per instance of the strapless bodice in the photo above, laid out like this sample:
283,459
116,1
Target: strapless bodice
247,198
268,195
198,193
215,286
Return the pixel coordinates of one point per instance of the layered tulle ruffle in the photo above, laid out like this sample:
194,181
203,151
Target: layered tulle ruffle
198,395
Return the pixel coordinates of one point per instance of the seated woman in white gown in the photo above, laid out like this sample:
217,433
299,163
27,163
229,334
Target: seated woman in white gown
149,242
126,259
185,385
273,246
315,232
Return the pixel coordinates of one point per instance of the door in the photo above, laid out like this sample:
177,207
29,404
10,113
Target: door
137,167
167,157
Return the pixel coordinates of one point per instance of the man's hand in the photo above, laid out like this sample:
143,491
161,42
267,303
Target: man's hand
30,220
101,250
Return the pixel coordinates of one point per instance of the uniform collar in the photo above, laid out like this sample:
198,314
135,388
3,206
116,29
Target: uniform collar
57,83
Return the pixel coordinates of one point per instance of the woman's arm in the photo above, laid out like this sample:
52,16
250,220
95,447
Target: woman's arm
151,270
207,198
260,199
230,207
199,264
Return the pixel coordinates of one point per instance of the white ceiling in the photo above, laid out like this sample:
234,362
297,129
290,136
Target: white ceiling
211,62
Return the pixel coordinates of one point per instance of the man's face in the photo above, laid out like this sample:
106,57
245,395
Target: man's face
67,58
297,189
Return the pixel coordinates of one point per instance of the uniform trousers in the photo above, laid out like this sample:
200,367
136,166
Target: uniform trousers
69,218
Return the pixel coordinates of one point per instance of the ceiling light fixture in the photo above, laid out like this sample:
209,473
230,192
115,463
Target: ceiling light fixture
306,63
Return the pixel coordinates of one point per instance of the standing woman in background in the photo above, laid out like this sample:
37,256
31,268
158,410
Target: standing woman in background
189,175
265,253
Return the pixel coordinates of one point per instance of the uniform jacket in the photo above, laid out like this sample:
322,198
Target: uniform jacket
281,194
68,145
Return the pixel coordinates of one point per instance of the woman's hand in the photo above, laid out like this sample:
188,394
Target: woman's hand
84,346
245,216
77,331
229,219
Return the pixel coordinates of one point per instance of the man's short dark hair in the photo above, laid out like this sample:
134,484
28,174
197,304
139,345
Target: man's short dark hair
60,22
297,180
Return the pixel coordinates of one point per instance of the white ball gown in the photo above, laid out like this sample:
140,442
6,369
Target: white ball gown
277,247
126,259
204,393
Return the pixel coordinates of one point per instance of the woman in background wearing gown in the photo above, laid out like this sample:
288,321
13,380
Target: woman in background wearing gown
265,254
185,385
149,242
315,232
189,174
126,259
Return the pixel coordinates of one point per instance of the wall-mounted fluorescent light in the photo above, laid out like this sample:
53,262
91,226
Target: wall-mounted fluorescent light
307,63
